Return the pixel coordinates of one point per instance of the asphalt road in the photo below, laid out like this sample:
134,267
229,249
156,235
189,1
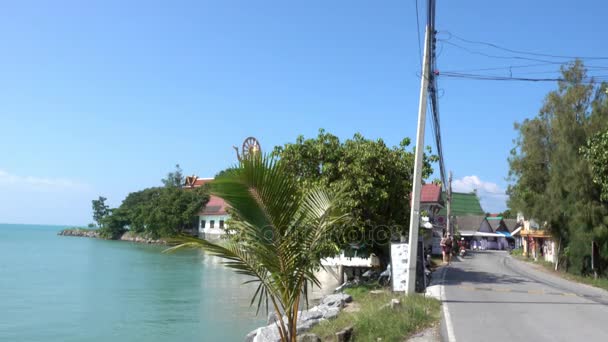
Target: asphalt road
493,297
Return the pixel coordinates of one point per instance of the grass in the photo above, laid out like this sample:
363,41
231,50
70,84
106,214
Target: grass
600,282
375,320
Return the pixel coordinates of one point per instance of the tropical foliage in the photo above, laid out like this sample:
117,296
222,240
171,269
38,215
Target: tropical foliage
552,180
375,179
596,153
156,212
283,229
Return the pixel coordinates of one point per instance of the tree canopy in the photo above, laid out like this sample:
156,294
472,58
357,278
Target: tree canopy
551,180
375,180
100,210
596,152
158,211
174,179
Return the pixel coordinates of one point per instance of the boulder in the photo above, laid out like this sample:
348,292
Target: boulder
331,313
329,308
345,334
337,299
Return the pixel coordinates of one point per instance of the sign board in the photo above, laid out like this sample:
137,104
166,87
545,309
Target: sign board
436,243
399,266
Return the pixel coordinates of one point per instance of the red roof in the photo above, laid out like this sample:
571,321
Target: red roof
195,182
215,206
202,181
430,193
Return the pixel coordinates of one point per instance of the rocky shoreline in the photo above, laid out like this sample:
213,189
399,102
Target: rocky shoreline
127,236
329,308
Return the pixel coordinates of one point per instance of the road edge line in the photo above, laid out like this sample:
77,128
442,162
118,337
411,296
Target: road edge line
446,312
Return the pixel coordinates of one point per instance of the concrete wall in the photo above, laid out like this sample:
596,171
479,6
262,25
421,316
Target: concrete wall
206,230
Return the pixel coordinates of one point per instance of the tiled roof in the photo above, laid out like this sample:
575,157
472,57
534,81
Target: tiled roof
430,193
215,206
497,224
202,181
511,224
469,222
464,204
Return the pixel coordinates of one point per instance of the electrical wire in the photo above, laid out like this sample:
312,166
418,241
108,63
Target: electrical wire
521,52
586,80
418,34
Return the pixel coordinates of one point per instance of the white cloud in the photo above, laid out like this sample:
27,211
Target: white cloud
493,198
33,183
44,200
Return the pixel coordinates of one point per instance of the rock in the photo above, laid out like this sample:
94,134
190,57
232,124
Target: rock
329,308
337,299
309,338
331,313
251,336
305,326
267,334
91,233
395,303
272,317
345,334
310,315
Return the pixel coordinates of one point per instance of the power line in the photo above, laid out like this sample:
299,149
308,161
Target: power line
475,52
418,33
521,51
587,80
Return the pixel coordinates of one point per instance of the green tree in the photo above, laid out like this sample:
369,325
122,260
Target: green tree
162,211
174,179
551,181
375,180
284,230
114,224
100,210
596,153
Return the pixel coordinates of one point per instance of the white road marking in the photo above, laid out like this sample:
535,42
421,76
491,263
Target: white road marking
446,312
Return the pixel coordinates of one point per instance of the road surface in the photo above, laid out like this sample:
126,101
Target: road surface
489,296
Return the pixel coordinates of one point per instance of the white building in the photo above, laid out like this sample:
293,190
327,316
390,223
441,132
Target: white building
212,219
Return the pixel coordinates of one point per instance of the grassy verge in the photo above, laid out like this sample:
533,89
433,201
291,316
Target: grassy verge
373,319
601,283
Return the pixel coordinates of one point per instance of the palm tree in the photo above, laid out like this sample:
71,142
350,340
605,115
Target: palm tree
284,231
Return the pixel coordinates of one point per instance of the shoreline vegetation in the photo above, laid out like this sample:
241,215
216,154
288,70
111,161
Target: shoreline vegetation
126,236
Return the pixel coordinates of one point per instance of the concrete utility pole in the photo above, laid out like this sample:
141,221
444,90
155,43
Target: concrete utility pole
449,206
417,186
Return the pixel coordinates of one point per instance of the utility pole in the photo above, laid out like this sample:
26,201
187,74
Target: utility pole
449,206
418,159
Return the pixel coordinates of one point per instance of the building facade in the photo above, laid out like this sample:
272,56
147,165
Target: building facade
213,218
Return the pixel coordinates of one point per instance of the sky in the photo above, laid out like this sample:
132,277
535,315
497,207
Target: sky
105,97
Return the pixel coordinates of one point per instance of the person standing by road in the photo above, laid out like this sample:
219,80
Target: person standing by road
446,248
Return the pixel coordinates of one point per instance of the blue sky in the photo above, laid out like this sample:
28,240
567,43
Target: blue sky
105,97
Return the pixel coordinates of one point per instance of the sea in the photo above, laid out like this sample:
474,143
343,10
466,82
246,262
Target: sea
60,288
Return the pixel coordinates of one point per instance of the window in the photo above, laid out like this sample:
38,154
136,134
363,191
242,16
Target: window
203,223
222,224
211,224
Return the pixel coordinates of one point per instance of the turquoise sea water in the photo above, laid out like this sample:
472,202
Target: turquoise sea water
55,288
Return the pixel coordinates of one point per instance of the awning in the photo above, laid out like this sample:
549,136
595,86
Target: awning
481,234
506,234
